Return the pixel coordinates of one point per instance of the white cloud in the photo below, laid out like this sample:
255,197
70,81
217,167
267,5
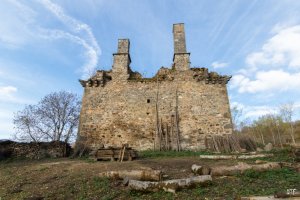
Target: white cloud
217,64
275,68
257,111
273,80
253,112
7,92
8,95
283,49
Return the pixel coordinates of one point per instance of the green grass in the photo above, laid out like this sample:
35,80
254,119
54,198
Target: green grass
279,155
170,154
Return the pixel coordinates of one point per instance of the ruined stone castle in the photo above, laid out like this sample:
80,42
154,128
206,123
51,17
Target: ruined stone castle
176,109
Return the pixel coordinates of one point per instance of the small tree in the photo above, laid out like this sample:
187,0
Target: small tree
236,114
54,118
286,112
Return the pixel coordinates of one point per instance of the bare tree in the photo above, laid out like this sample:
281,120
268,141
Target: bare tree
54,118
25,125
286,112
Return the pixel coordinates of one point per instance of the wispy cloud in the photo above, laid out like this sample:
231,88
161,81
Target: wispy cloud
81,33
16,24
25,27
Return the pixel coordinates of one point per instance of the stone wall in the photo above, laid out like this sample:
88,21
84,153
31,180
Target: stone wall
34,150
125,112
120,106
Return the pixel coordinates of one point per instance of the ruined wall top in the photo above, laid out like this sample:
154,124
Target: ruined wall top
121,71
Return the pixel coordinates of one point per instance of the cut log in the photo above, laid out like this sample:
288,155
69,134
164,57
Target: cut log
200,170
275,197
169,185
266,166
260,161
143,175
229,157
254,156
218,157
285,195
241,168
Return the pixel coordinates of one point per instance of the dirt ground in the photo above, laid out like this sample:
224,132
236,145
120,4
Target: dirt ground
77,178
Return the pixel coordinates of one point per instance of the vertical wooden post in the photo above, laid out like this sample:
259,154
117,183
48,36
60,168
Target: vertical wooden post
157,142
160,135
177,122
167,139
172,133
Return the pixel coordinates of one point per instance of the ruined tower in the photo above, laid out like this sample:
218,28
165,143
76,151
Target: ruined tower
177,108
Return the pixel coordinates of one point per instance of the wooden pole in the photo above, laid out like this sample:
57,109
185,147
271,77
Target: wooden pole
120,154
177,122
160,135
167,139
172,132
123,152
157,142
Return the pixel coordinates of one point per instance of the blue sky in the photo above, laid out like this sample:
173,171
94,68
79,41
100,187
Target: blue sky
47,45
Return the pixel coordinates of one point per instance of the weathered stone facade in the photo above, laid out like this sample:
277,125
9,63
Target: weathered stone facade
120,106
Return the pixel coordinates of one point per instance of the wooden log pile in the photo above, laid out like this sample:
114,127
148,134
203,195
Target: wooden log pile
229,143
115,154
148,180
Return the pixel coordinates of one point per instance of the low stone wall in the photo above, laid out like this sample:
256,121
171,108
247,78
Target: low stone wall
34,150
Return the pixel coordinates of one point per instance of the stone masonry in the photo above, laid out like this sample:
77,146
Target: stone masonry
178,106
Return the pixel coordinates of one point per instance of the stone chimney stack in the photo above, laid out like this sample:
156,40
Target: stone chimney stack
181,58
122,60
